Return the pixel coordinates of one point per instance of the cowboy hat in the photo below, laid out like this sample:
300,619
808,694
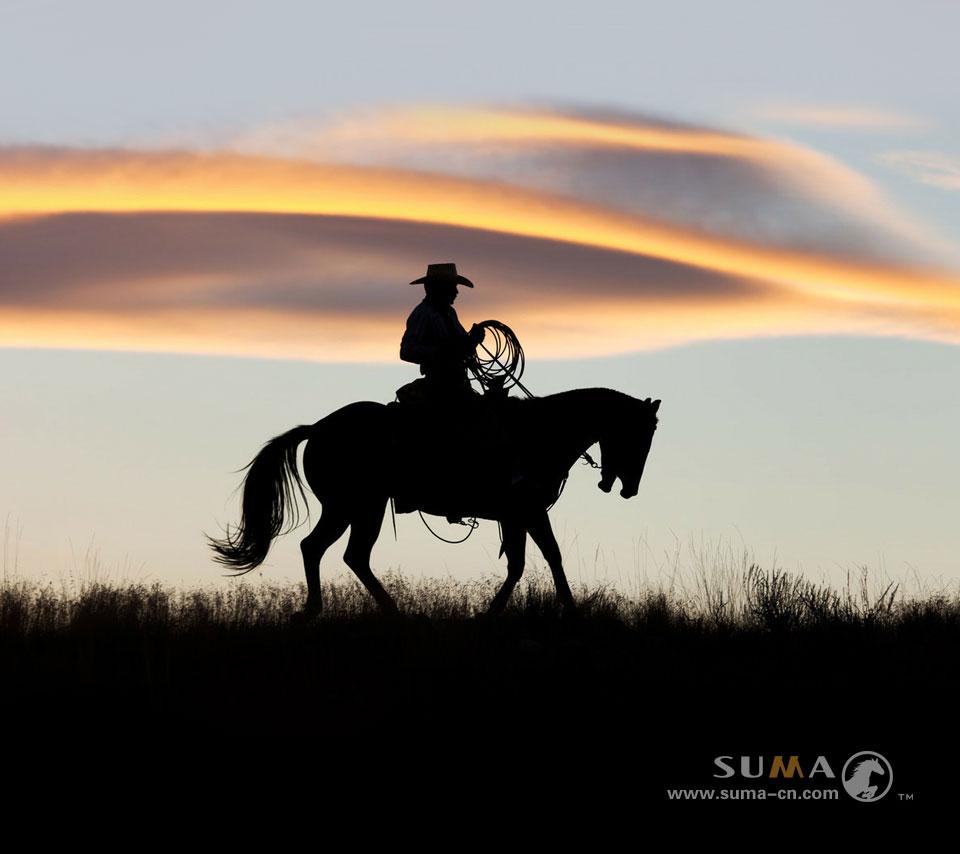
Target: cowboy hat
443,273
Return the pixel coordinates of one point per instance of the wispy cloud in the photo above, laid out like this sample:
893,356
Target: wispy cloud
840,117
928,167
588,234
756,190
388,132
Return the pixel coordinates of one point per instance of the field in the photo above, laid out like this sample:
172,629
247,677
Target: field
644,689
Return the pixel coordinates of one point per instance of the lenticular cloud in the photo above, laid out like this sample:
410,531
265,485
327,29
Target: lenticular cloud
589,233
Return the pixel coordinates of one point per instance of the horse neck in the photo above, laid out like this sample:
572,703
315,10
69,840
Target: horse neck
577,419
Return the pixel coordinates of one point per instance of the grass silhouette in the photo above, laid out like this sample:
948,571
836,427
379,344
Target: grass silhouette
663,679
749,602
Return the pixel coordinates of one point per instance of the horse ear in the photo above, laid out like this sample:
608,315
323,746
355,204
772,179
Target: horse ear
656,404
647,400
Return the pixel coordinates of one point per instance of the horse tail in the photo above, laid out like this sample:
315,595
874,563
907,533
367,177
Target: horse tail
268,491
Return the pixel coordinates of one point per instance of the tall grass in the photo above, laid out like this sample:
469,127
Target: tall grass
729,598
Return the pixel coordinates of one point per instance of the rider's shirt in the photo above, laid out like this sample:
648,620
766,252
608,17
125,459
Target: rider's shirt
435,340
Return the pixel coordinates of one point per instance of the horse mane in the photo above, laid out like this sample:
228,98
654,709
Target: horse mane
588,398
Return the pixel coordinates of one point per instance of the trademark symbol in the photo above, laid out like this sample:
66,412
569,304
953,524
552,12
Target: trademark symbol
905,797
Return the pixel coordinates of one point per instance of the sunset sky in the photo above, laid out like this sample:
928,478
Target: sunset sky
209,213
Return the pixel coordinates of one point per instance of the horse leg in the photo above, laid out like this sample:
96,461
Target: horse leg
542,533
364,530
324,534
514,544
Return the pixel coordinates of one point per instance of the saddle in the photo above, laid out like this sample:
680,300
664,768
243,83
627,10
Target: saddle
448,454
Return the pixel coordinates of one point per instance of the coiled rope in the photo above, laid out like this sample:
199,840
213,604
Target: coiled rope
504,362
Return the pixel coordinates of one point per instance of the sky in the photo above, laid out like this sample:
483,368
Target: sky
209,213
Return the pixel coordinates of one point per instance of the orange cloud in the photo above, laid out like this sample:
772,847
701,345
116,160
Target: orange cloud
47,182
578,326
742,188
271,256
335,288
428,126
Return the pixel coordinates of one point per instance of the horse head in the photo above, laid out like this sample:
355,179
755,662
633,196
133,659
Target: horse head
625,445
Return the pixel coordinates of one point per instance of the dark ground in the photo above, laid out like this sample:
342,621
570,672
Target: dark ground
598,714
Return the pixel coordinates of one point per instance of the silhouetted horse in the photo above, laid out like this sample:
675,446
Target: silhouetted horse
354,463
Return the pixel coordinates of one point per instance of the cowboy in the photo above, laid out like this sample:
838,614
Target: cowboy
436,341
434,338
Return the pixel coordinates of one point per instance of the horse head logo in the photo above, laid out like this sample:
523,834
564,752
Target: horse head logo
862,784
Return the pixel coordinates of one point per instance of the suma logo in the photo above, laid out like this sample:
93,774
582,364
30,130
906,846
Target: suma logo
866,776
754,767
